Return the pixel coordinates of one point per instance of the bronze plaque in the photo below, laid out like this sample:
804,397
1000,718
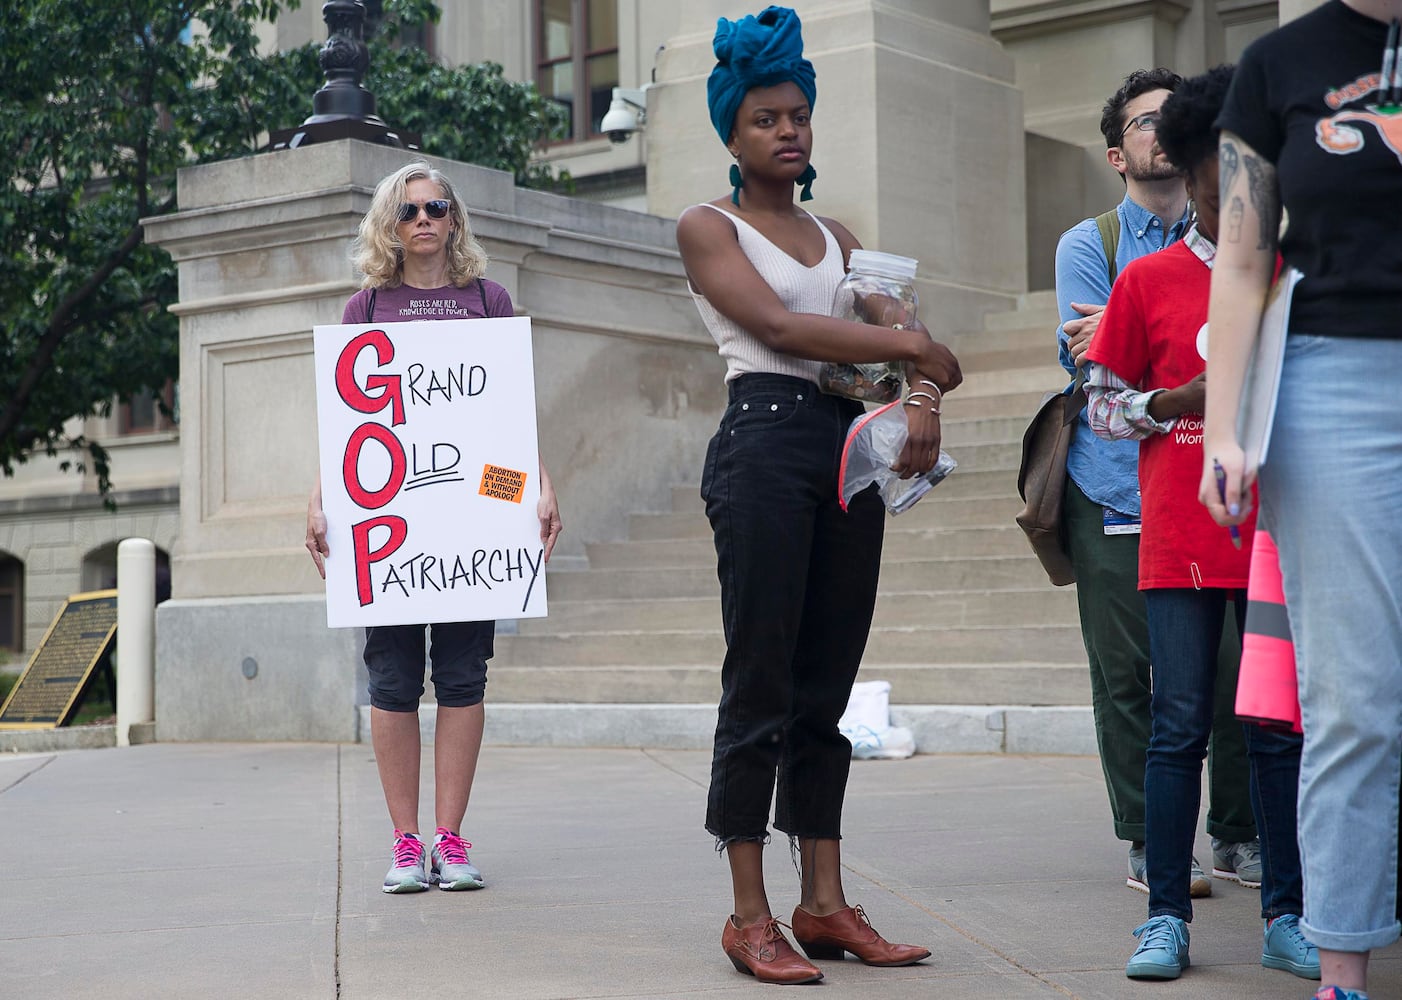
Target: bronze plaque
46,693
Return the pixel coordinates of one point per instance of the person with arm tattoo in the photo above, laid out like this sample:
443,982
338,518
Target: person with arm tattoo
1313,123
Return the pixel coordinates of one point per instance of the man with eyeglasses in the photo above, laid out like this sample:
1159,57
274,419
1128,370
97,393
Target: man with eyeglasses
1102,504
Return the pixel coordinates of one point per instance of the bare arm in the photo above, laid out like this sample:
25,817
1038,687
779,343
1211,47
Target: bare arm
1241,277
316,530
719,270
548,510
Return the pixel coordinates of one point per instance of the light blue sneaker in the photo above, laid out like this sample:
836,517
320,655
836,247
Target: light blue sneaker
1286,948
407,873
1162,951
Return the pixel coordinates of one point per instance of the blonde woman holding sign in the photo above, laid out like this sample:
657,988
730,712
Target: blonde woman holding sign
421,262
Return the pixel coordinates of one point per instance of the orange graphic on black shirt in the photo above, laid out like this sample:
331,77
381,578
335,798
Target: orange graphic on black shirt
1333,135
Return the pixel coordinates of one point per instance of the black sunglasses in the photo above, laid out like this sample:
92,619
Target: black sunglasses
436,209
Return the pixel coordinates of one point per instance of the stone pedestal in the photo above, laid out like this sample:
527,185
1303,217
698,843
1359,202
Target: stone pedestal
917,142
629,389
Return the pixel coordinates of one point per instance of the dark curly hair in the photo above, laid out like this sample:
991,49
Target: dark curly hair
1186,132
1141,81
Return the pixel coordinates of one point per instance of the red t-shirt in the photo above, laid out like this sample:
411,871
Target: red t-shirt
1154,335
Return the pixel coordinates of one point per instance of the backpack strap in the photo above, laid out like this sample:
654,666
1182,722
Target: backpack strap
482,291
1109,225
370,307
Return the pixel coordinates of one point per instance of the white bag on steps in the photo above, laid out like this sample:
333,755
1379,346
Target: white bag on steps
867,724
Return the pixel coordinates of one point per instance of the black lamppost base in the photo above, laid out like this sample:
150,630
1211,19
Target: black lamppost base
341,128
342,108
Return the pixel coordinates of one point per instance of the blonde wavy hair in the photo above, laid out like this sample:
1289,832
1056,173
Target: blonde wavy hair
379,255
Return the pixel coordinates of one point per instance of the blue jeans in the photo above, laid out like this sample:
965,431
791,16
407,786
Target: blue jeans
1185,632
1329,497
798,588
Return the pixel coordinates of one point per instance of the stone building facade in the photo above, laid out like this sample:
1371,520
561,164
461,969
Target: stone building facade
960,132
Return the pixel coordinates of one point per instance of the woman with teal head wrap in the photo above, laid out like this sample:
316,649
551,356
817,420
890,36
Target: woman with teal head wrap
798,576
758,51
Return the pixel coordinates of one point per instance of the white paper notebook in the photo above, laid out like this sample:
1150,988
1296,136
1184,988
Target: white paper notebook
1258,393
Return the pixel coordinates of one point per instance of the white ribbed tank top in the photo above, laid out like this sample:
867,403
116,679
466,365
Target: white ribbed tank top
801,289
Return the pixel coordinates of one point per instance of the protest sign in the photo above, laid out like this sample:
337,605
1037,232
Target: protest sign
430,472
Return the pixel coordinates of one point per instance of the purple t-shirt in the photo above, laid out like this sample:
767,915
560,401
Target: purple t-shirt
406,304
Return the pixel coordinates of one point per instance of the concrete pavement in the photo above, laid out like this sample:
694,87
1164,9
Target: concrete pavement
252,871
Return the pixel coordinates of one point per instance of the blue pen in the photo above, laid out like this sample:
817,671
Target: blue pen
1222,492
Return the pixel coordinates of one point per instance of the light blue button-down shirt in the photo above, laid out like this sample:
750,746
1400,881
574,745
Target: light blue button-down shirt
1106,471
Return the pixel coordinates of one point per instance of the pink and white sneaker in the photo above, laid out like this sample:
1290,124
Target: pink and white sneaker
451,869
407,873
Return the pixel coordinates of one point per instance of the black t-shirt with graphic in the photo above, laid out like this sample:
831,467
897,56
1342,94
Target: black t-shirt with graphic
1308,98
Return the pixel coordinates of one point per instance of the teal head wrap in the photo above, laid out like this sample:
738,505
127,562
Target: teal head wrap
757,51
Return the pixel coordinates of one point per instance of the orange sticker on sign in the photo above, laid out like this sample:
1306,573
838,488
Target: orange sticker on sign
502,484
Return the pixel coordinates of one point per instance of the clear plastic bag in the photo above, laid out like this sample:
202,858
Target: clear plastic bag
874,442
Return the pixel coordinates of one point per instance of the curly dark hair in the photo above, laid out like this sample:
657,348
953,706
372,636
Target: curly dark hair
1141,81
1186,133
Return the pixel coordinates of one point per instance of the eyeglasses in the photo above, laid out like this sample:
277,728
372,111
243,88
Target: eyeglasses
1145,123
436,209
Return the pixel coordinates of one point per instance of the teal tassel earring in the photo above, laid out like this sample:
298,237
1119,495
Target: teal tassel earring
736,182
807,178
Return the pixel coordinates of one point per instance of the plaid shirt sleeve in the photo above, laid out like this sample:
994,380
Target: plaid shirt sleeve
1117,410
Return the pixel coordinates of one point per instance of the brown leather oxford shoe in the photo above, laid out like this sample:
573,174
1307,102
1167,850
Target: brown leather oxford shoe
761,950
850,930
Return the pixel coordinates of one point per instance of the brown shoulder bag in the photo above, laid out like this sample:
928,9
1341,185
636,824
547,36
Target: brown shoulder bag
1041,478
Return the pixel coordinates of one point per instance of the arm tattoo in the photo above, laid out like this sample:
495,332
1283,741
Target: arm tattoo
1229,161
1265,199
1234,214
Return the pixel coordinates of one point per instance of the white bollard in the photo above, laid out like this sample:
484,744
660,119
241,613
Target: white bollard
136,635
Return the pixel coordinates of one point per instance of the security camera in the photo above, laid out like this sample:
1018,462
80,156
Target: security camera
627,114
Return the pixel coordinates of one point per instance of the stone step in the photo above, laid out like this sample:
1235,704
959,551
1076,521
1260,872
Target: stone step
998,429
1021,404
979,573
1035,339
987,360
962,484
938,510
964,729
1013,683
1036,308
933,510
902,543
1041,376
987,457
893,644
1046,606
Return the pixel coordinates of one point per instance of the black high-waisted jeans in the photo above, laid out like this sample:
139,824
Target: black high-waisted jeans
798,586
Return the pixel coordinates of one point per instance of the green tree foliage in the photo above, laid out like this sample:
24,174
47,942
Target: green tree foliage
100,103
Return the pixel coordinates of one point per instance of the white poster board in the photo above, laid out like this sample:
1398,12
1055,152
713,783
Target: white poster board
1256,411
430,472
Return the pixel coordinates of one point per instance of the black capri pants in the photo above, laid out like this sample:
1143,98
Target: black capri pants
394,659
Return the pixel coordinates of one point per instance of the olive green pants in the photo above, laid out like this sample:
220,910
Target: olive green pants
1115,629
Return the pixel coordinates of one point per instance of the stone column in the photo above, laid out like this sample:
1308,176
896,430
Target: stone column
917,141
